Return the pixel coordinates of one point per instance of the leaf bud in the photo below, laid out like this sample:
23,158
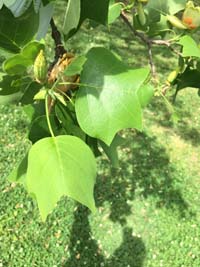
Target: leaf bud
40,67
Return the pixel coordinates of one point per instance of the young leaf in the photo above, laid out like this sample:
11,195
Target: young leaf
107,100
114,12
76,66
145,94
58,166
190,47
18,175
18,64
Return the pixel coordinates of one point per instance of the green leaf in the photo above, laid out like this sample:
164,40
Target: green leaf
17,7
36,4
45,15
39,128
76,66
18,175
6,86
189,78
107,99
164,7
59,166
145,94
17,32
18,64
34,110
95,10
30,91
190,47
114,12
72,16
68,122
175,6
31,50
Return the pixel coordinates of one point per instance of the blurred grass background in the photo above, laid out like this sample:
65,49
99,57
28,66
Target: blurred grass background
148,210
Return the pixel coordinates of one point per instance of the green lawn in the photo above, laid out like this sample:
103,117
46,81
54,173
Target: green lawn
148,210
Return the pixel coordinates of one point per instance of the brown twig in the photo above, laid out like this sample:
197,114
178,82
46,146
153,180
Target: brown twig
149,43
145,40
59,48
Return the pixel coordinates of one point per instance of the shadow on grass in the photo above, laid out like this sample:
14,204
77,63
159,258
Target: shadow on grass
145,170
183,127
85,251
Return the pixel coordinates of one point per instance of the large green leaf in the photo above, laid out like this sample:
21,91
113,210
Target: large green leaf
107,100
190,47
17,32
58,166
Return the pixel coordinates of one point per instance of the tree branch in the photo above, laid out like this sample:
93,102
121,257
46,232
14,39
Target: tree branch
148,42
59,48
145,40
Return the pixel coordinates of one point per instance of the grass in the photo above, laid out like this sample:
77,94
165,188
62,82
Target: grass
147,210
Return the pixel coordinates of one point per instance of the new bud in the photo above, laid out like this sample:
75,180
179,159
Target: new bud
40,68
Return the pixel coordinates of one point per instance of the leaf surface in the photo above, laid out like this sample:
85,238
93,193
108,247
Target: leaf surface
72,16
58,166
190,47
17,32
107,100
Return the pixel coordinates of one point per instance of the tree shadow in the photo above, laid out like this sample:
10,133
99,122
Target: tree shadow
85,251
146,167
183,126
145,170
